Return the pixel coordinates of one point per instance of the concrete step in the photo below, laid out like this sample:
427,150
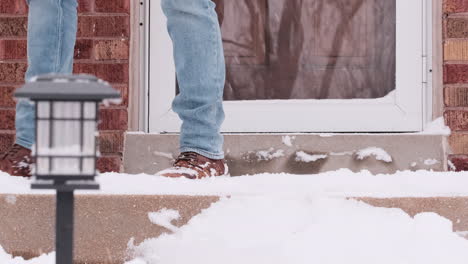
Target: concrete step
106,223
274,153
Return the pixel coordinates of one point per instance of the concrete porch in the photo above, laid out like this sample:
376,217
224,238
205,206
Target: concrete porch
299,153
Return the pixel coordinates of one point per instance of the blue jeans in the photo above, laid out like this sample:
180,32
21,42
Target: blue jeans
198,53
52,26
199,59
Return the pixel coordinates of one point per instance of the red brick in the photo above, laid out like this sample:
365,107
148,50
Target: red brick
111,49
12,72
7,119
113,6
85,6
13,49
113,119
456,96
455,73
113,73
457,28
109,164
455,6
458,162
13,7
13,26
103,26
6,140
457,120
83,49
111,142
458,143
6,96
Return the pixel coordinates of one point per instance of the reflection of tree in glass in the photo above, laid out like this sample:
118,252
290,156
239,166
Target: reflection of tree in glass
284,71
337,43
308,49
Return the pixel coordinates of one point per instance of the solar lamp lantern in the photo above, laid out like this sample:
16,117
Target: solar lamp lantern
65,152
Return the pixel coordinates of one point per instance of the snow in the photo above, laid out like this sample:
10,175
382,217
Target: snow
437,127
301,156
109,102
282,218
378,153
187,171
451,165
270,154
343,183
305,229
6,258
431,162
164,218
136,261
287,140
11,199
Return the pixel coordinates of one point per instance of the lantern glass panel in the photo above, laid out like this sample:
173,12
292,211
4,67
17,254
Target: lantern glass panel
43,109
43,136
65,166
89,166
42,166
66,138
89,139
66,109
90,110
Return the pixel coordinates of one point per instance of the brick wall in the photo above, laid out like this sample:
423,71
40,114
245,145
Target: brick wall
455,25
102,49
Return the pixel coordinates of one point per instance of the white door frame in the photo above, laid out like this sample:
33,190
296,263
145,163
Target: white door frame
400,111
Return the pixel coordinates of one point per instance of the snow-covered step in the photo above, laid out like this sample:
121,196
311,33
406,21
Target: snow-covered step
105,224
299,153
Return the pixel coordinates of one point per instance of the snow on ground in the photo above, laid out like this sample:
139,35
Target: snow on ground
342,183
305,229
164,218
6,258
281,218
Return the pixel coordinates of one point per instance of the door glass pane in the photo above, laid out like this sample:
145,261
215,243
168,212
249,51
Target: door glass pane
308,49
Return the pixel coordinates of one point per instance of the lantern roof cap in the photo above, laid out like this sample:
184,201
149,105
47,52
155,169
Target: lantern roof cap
56,87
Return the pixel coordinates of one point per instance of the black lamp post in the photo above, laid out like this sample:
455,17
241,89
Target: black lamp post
66,150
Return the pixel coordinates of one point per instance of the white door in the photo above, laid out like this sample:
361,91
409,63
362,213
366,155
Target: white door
307,66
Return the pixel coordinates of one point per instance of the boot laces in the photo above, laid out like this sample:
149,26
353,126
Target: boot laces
187,158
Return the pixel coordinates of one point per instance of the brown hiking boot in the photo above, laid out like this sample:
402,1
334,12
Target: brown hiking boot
17,161
195,166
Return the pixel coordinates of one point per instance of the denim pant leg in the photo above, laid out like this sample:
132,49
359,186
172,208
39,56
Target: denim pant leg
199,59
52,26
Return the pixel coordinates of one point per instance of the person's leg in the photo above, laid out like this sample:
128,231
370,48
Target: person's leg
52,26
199,59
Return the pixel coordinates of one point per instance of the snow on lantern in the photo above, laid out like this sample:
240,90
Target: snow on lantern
66,108
66,123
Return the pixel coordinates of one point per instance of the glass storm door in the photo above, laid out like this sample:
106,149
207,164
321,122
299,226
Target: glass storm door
306,66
